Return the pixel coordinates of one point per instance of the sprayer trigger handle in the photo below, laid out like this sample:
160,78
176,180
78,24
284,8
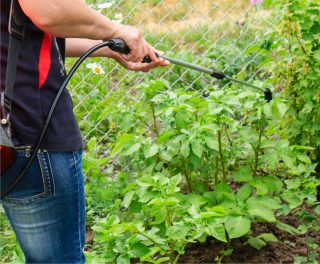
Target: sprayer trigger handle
268,95
118,45
218,74
147,58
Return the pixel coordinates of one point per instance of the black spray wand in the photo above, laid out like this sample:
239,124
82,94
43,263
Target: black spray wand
120,46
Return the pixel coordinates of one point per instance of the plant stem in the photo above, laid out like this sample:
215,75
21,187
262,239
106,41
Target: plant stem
152,240
176,259
154,119
229,139
216,173
221,157
257,150
169,216
146,124
187,176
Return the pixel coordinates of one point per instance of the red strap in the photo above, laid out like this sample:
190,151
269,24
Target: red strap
45,58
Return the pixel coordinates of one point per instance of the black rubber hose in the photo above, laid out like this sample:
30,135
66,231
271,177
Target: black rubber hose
109,43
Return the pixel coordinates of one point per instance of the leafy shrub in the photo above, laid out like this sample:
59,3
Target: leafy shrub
183,154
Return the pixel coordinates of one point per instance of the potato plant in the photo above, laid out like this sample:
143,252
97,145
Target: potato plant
197,166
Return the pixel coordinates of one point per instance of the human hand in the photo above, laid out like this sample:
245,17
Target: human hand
137,66
138,46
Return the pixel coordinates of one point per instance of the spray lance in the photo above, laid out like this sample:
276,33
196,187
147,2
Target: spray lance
118,45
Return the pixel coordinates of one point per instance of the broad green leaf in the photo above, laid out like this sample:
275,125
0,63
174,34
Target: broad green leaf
197,148
165,155
261,187
281,109
304,158
317,210
256,243
226,252
251,49
173,183
244,193
213,110
264,201
177,232
196,199
212,143
316,55
293,183
194,211
237,226
132,149
159,212
222,187
156,201
217,209
185,149
268,237
274,184
123,259
289,162
217,231
150,151
139,250
125,120
257,209
121,228
127,199
195,161
206,215
183,119
92,143
244,174
123,142
288,228
292,197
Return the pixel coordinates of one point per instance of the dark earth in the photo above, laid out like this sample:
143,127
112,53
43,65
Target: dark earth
283,251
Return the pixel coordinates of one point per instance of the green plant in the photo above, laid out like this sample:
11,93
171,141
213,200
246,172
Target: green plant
181,152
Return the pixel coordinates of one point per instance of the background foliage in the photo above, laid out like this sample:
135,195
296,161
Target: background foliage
174,158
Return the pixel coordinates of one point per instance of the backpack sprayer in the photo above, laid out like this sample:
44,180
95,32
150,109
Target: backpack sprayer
118,45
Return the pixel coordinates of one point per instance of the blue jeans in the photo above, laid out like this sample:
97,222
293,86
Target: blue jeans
47,207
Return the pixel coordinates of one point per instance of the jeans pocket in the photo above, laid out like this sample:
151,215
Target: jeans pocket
36,184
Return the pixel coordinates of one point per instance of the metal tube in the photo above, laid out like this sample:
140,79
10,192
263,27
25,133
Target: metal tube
244,83
186,64
206,70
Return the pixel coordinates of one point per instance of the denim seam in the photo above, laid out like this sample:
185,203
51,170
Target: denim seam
52,176
78,205
43,172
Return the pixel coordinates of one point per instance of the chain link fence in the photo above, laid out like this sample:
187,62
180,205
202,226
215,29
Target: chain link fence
219,34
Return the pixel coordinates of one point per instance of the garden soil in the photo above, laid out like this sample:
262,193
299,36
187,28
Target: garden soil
283,251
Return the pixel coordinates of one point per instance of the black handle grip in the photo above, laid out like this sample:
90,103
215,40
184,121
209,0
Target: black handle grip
147,58
218,74
118,45
268,95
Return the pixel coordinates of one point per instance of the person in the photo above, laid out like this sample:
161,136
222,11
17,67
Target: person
47,207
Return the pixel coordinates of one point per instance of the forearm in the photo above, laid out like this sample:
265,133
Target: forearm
75,47
66,19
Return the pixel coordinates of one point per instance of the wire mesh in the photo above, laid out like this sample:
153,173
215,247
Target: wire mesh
217,34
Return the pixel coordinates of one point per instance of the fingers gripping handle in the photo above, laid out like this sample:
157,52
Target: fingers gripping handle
118,45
